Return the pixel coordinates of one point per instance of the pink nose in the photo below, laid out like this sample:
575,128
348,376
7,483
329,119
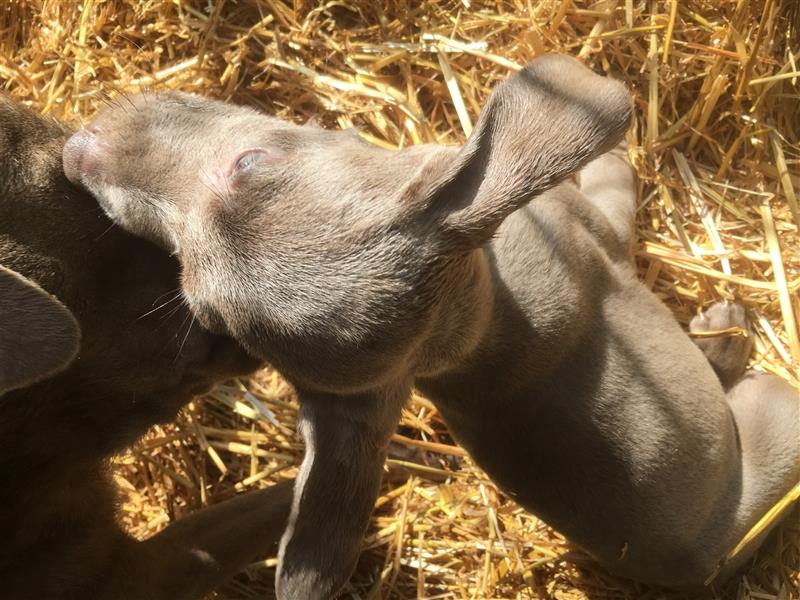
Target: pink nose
80,154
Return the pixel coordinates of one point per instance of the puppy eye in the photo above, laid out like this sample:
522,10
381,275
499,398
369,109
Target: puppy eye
251,157
246,161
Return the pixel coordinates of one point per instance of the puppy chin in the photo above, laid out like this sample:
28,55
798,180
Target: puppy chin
136,220
209,318
106,206
229,359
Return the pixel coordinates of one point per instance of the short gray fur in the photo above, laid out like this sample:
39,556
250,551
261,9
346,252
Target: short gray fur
358,272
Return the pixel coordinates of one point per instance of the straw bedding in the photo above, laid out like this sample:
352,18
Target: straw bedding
715,144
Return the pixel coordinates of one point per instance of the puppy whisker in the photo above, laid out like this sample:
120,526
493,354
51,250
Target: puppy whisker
186,337
162,305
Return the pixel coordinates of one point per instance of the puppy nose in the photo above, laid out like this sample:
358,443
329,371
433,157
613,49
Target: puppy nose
80,154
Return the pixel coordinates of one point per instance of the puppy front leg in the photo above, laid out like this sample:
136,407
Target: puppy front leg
199,552
346,442
186,561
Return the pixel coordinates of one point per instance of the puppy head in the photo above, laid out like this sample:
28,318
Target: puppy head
322,254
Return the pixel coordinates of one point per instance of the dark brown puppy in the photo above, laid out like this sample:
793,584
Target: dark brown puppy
125,371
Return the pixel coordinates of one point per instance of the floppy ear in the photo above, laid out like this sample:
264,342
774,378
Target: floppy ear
39,336
538,127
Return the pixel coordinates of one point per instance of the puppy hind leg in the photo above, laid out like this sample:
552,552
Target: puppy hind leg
767,414
609,183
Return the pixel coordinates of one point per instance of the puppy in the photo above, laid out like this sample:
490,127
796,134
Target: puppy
505,295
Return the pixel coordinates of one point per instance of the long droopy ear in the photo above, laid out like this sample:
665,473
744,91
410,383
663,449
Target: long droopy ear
39,336
538,127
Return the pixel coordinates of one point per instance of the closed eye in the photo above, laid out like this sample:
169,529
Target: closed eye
249,158
245,161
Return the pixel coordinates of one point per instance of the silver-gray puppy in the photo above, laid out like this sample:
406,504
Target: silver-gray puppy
359,272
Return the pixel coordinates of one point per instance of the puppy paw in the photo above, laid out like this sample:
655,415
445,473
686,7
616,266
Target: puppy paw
726,352
305,585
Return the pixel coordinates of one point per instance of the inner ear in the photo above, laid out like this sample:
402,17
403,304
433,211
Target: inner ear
39,336
537,128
